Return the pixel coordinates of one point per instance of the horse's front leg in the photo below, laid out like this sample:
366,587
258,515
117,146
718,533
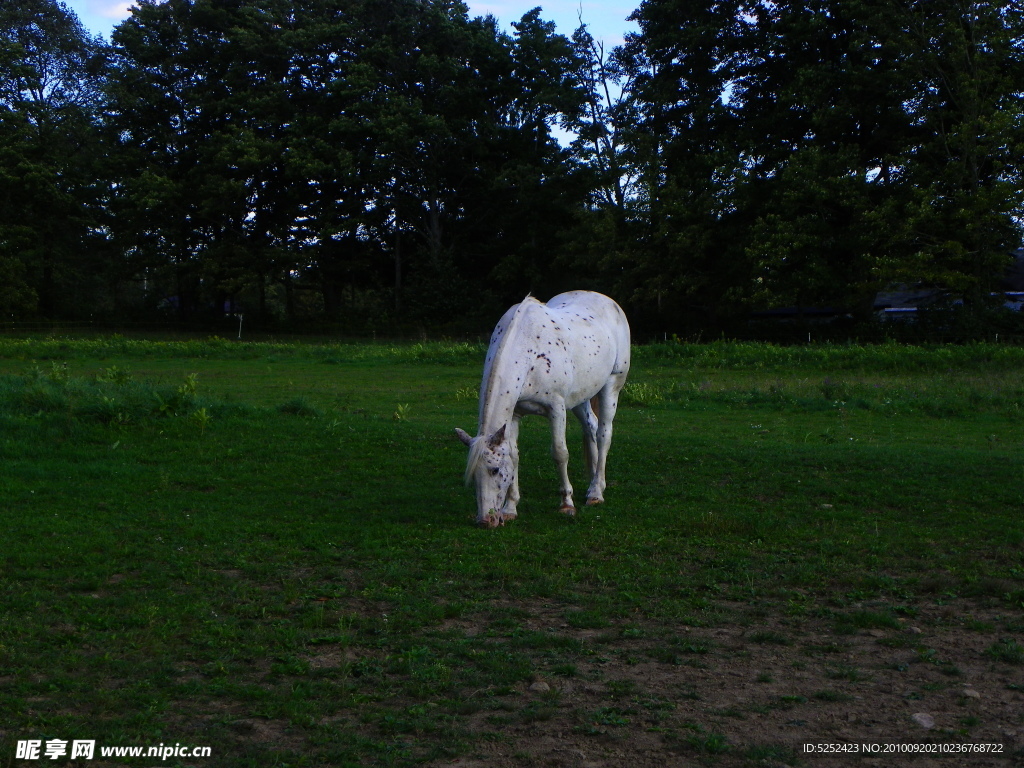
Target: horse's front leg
560,452
509,512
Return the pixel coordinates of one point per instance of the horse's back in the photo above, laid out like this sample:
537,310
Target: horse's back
599,314
570,347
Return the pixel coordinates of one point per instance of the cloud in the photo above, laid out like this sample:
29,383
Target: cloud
115,10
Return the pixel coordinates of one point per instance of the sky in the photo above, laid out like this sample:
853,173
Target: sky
605,18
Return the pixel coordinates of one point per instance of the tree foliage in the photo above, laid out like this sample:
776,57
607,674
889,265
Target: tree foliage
51,188
809,153
344,146
383,162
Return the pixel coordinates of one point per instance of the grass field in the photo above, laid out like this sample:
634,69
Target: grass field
267,549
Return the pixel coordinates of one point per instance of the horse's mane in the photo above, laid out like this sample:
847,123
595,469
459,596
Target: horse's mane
476,450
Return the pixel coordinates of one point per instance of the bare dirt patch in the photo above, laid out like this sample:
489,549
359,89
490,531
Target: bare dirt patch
756,694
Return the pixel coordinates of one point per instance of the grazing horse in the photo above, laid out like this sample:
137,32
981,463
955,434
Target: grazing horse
544,359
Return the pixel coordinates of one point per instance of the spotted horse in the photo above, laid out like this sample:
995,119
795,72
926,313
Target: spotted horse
544,359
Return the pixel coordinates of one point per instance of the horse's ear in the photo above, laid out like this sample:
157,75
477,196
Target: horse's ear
463,436
498,437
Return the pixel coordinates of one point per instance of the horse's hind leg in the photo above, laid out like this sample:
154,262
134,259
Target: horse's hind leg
588,419
560,452
607,405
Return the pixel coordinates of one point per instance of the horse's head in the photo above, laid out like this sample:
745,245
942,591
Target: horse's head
492,467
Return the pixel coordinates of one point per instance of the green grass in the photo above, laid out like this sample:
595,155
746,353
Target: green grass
268,548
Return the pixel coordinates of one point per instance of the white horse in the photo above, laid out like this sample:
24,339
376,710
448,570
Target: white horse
542,360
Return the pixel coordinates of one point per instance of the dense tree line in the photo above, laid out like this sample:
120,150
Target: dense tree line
383,163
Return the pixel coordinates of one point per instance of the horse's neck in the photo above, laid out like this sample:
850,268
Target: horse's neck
506,372
504,387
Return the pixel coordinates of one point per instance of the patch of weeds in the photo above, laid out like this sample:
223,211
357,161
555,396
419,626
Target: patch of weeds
734,712
564,670
814,649
581,619
535,640
976,625
768,637
708,743
897,641
465,707
538,711
938,583
832,696
927,655
843,672
504,623
113,374
604,718
990,587
850,623
619,689
657,709
1007,651
771,754
642,394
299,406
673,654
787,702
614,716
201,419
834,391
687,646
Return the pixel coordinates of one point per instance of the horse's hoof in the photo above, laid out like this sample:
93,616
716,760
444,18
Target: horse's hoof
567,510
594,502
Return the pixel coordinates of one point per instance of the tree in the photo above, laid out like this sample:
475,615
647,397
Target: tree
394,147
685,144
50,76
968,152
196,103
808,153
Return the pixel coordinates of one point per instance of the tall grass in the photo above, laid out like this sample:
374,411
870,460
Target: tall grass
224,349
112,396
936,396
889,357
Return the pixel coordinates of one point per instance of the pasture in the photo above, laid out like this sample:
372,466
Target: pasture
268,549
